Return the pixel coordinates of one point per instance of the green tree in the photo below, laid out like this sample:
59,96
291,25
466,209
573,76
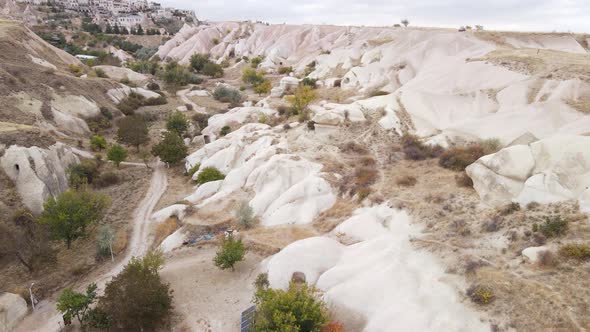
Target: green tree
212,69
98,142
73,304
171,148
133,130
137,299
177,122
72,212
299,308
231,252
263,88
117,154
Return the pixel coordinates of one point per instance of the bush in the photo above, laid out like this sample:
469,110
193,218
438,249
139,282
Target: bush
145,53
201,119
263,88
576,251
154,101
76,70
299,308
100,73
457,159
311,82
176,75
209,174
552,227
193,170
481,294
285,70
231,252
83,173
463,180
227,95
255,62
133,130
98,123
491,145
198,61
304,95
144,66
153,86
224,131
98,143
213,70
251,76
414,149
177,122
107,113
106,179
245,215
378,93
130,103
406,181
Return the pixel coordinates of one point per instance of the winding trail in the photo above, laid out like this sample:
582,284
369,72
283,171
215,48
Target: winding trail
46,318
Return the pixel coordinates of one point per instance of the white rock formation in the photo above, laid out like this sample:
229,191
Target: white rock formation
12,309
532,254
436,86
235,117
177,210
286,189
382,278
119,73
550,170
119,94
120,54
38,173
335,114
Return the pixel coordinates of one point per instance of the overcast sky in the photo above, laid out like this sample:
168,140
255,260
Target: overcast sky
529,15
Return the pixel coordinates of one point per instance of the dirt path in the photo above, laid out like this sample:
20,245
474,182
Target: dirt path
46,318
185,99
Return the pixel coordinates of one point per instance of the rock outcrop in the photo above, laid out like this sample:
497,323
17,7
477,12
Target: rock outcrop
12,309
120,73
550,170
38,173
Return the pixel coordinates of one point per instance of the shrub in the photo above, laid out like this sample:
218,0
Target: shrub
245,215
231,252
285,70
251,76
227,95
117,154
73,304
177,122
98,123
547,259
224,131
83,173
491,145
201,119
144,67
354,147
106,179
193,170
378,93
213,70
176,75
457,159
76,70
171,148
263,88
481,294
299,308
242,88
154,101
255,62
198,61
577,251
100,73
209,174
414,149
107,113
153,86
130,103
510,208
304,95
552,227
310,125
406,181
311,82
98,143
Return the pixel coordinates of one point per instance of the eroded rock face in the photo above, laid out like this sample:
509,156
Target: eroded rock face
12,309
550,170
119,73
38,173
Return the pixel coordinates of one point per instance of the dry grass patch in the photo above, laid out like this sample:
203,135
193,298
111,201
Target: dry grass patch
406,181
165,229
329,219
270,240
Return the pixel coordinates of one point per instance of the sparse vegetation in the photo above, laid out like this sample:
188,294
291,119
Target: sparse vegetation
304,95
414,149
193,170
580,252
209,174
177,122
552,227
245,215
253,77
201,64
458,158
406,181
311,82
285,70
98,143
378,93
481,294
255,62
224,131
175,75
133,131
230,252
263,88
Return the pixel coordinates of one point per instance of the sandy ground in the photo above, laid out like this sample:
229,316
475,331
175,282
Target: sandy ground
46,318
205,297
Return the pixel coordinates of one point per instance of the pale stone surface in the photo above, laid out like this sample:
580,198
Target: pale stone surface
12,309
531,254
120,73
